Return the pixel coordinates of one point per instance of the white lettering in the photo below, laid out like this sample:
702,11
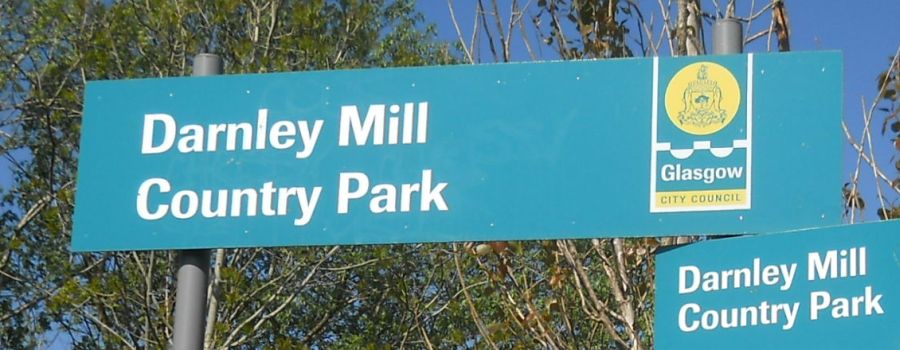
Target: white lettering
309,139
238,202
683,273
168,139
143,199
373,124
432,194
161,132
682,317
178,200
307,204
344,192
818,269
669,172
280,130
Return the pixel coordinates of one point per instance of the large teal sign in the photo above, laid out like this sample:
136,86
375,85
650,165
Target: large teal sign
632,147
829,288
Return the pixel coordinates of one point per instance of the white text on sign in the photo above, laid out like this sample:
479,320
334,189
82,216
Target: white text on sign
382,124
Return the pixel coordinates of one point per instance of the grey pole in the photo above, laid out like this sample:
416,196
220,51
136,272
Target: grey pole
193,265
190,299
728,37
207,64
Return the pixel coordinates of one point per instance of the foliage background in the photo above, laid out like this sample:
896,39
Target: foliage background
594,294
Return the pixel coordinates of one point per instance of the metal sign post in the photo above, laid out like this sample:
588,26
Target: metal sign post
728,38
193,265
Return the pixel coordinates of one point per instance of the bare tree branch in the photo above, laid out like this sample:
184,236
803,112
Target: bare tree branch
472,309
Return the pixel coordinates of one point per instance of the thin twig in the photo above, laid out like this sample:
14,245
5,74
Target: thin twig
472,310
860,150
459,32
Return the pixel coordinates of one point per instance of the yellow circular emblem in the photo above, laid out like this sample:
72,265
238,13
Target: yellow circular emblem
702,98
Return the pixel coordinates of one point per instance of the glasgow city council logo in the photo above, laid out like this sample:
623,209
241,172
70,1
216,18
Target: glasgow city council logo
700,158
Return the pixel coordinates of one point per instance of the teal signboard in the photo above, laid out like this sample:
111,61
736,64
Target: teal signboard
631,147
827,288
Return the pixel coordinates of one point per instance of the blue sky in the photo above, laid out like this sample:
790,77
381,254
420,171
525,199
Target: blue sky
864,31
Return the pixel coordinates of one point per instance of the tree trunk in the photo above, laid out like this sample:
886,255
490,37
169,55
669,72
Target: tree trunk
689,31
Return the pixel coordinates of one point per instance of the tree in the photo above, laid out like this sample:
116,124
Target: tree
887,187
582,293
888,89
539,294
261,297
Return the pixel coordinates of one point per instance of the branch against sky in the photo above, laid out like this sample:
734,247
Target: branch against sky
887,182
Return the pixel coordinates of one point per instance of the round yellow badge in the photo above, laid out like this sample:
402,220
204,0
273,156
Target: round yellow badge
702,98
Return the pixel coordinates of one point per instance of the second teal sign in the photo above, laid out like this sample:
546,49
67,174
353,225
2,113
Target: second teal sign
826,288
